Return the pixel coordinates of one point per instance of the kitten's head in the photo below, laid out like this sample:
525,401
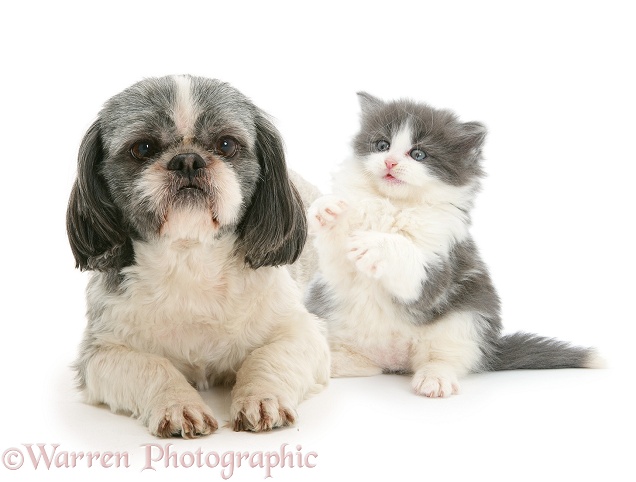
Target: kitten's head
409,149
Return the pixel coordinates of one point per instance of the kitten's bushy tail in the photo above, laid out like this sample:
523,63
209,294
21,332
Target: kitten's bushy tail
529,351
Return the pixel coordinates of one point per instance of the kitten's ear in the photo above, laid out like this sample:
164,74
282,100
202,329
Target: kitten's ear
368,102
472,134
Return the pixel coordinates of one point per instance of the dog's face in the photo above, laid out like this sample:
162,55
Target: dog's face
179,144
176,156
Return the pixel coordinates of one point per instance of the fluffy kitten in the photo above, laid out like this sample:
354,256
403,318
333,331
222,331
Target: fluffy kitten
401,282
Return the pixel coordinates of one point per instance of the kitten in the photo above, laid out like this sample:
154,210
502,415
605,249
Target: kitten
401,283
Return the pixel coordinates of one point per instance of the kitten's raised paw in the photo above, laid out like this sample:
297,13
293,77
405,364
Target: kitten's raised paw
325,212
365,251
435,386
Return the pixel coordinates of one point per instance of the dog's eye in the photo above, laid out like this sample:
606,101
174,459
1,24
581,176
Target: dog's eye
227,147
143,150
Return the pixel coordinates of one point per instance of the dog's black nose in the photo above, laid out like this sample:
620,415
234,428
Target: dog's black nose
186,164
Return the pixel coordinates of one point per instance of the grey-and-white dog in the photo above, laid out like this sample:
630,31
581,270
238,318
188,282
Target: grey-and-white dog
184,211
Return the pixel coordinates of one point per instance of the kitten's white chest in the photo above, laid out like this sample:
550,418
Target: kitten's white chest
375,259
368,320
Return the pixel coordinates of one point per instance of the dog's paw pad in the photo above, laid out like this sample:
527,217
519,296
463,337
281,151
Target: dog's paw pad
261,414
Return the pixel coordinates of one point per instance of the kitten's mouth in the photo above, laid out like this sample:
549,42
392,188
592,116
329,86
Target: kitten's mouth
392,179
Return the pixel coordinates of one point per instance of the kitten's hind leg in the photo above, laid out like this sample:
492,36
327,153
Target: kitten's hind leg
447,350
348,363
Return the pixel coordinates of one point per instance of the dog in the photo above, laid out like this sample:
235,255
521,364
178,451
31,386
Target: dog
184,212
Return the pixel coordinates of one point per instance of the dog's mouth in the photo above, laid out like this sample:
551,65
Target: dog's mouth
190,187
191,193
193,185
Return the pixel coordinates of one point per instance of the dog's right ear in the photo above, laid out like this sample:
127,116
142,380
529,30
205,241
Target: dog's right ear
94,224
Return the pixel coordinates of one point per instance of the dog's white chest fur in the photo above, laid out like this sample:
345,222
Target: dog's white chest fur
182,300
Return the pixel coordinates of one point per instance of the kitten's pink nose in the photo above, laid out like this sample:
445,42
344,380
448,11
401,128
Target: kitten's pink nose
390,163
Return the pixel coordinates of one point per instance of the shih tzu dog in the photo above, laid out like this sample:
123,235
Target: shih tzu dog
184,211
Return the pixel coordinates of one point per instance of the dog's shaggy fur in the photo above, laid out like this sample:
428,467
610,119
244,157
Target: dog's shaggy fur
184,211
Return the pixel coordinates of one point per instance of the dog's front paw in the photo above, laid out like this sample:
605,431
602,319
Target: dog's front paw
324,213
364,249
261,413
187,419
435,386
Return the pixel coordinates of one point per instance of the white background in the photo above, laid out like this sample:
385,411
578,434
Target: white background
554,83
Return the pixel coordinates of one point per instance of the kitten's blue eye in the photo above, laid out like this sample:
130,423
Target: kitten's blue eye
382,146
418,154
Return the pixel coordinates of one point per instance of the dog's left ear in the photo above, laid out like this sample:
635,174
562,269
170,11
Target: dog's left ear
274,228
94,224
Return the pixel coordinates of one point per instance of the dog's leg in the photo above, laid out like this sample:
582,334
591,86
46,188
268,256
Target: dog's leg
149,387
275,378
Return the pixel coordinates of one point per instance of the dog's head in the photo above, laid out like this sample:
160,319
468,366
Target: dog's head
173,149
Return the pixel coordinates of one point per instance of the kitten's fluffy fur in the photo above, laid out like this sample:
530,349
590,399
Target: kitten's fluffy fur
401,282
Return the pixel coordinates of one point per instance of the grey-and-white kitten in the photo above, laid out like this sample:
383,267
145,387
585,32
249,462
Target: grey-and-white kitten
401,282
